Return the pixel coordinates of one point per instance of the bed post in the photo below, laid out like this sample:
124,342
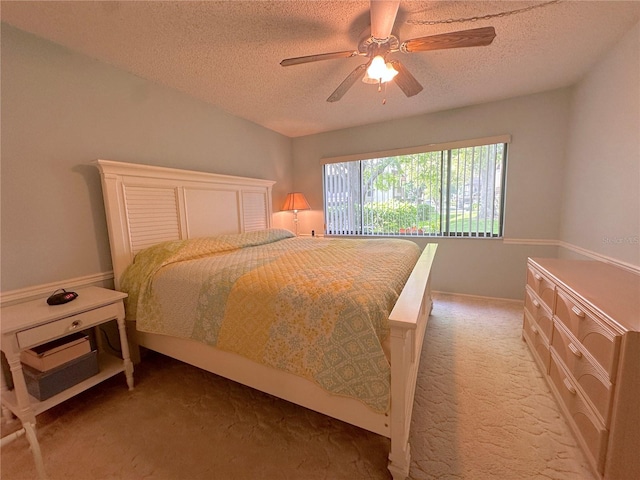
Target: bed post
408,323
400,453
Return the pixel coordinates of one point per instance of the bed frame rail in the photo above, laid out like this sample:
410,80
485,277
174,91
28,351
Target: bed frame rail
408,323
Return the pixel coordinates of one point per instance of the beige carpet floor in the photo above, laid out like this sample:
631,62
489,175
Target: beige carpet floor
482,411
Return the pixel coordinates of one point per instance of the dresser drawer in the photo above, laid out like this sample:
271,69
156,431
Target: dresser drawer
539,311
541,285
599,340
590,377
590,430
538,344
59,328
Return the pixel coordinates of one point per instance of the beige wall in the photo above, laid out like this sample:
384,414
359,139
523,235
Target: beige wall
62,110
601,208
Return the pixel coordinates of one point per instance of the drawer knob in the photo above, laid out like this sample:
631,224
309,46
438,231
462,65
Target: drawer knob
534,329
570,387
75,324
537,276
575,350
536,303
577,311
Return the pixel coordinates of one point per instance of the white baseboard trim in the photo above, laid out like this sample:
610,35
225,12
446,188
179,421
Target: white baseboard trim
41,291
574,248
477,297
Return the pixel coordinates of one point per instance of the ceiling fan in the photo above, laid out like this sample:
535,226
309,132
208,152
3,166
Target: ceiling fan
376,48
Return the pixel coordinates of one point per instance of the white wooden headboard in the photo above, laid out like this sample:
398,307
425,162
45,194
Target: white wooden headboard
146,205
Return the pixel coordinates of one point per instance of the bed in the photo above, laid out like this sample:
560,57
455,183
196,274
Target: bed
187,215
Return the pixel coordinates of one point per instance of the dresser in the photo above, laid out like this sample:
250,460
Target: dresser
582,325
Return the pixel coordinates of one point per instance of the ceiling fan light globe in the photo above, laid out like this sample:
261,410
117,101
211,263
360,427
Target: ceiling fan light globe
389,73
369,80
382,75
378,68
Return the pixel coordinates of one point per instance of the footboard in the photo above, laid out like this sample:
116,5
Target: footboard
408,322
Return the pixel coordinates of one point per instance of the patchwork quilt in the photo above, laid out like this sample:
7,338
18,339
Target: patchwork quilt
313,307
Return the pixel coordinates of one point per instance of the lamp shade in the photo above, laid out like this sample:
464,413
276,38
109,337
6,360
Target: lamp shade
295,201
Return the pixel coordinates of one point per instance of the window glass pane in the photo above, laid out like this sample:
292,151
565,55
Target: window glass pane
454,192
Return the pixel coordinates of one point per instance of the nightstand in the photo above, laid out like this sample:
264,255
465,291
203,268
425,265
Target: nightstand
33,323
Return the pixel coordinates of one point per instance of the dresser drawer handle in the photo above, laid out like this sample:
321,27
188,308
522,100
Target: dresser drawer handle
577,311
535,303
570,387
75,324
534,329
537,276
575,350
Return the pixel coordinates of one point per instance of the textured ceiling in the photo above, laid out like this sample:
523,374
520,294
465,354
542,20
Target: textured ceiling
228,53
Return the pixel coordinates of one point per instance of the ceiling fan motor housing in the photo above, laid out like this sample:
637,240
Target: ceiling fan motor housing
372,47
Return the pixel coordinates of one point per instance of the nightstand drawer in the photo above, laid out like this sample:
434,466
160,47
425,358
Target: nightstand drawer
59,328
600,341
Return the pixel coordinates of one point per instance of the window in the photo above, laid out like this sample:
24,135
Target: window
453,190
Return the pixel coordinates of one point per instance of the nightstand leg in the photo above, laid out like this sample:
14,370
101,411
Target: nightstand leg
124,345
30,433
25,412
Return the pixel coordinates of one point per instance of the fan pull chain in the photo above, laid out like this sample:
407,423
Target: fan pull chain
384,99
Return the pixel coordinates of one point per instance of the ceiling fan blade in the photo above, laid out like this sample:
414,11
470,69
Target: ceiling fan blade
315,58
407,82
348,82
477,37
383,16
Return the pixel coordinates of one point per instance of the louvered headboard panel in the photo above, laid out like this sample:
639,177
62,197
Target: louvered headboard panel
152,215
146,205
